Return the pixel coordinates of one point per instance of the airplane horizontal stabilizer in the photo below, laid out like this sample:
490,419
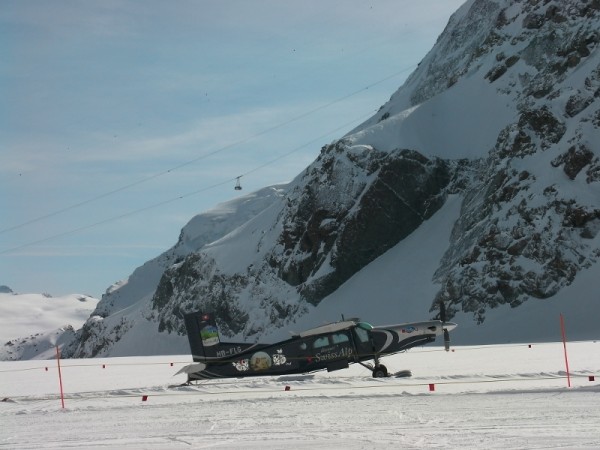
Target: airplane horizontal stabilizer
192,368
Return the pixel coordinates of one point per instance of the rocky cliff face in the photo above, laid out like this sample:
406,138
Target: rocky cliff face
529,221
504,111
353,205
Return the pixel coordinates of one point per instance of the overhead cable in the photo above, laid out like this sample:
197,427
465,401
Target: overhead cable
206,155
180,197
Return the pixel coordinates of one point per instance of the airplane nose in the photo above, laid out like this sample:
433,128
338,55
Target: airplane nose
449,326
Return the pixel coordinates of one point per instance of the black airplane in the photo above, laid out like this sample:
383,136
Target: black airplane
332,347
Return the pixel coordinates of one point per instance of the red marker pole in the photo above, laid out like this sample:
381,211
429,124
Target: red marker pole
564,338
62,396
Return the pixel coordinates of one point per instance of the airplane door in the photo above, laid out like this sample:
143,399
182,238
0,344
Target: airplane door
362,339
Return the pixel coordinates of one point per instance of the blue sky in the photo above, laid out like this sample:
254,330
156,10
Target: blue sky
111,107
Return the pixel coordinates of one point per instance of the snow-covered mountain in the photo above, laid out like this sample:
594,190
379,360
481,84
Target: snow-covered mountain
33,324
477,184
5,290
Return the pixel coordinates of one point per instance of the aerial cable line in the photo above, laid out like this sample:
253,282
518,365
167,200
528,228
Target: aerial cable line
285,155
206,155
180,197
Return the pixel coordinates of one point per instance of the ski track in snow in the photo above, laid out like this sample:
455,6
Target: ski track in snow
503,396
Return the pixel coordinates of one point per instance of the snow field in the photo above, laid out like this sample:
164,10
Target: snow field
26,314
502,396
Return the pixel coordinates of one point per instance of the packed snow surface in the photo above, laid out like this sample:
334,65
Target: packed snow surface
499,396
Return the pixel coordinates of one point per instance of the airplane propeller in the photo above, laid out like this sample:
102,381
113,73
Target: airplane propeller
443,319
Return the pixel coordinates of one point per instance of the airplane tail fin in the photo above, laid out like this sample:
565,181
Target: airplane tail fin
203,335
204,339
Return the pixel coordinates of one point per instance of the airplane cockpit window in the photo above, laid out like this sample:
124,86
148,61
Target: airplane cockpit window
303,346
339,338
321,342
363,335
364,326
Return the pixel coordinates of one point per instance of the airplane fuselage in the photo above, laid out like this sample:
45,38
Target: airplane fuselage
330,347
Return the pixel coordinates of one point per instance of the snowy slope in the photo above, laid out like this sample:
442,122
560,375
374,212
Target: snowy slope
32,323
24,314
199,231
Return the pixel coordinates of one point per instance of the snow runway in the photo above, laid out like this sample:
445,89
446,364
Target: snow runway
494,397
